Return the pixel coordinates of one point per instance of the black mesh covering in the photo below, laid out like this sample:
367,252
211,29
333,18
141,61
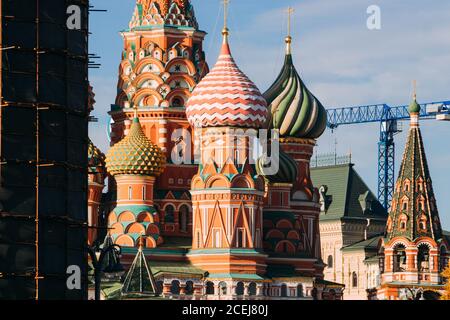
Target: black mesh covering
44,117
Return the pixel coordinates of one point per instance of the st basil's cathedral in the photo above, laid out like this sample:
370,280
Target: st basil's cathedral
227,226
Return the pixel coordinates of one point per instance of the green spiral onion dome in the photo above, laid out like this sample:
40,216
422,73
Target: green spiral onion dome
96,158
135,154
294,110
287,172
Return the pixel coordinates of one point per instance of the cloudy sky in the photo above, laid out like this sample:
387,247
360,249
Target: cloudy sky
342,62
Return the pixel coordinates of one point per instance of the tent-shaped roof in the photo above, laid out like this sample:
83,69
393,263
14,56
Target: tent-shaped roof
139,279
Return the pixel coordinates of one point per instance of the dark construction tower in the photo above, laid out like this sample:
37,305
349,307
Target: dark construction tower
43,143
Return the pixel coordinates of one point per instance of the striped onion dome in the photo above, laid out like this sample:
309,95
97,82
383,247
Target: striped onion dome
96,158
294,110
287,172
135,154
226,97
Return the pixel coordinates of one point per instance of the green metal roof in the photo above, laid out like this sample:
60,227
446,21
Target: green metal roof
370,244
346,194
174,267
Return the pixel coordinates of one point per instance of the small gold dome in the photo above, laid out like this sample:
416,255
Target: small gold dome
135,154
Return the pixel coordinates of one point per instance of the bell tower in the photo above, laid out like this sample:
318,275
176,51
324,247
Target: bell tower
414,252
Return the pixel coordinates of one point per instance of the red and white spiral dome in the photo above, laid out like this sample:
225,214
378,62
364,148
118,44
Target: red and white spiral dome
226,97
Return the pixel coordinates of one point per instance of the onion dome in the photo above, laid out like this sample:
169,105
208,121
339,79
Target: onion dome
96,158
414,107
295,111
135,154
287,172
226,97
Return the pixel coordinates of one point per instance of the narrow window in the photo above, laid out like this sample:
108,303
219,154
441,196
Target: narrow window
130,192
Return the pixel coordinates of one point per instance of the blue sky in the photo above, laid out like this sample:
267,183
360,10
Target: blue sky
341,61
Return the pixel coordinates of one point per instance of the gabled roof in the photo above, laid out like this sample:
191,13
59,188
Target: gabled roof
345,194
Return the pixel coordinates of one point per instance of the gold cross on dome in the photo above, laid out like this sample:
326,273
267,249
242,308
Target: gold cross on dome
289,11
226,4
415,89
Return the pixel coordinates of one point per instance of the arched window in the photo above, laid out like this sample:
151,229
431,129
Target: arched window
240,289
177,102
399,258
189,288
169,216
423,258
283,290
330,261
175,287
300,291
209,287
354,280
130,193
183,218
223,288
252,289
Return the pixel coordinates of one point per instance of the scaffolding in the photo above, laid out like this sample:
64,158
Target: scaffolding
43,145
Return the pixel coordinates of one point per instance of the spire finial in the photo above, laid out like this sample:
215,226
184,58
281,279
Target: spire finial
415,89
225,31
288,40
135,112
141,241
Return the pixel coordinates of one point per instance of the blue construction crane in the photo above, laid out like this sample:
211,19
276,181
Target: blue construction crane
388,117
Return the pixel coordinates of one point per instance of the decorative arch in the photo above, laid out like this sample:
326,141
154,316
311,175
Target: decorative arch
152,229
150,242
189,80
293,235
242,181
126,216
285,247
141,64
179,60
116,228
140,79
284,224
112,217
144,93
145,216
197,183
135,227
125,240
217,181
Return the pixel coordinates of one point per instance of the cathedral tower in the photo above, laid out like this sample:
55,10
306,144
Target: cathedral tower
135,162
301,119
161,63
414,250
227,194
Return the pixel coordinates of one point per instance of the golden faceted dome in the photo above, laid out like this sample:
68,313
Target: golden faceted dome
96,158
135,154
